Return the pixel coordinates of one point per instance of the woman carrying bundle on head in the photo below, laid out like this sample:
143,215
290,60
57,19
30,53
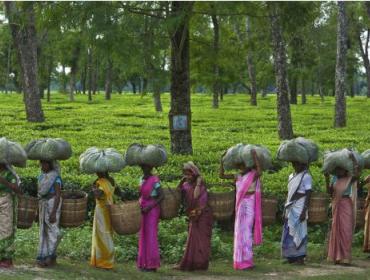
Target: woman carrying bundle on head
50,203
9,187
248,212
366,245
151,195
300,152
343,189
101,162
198,244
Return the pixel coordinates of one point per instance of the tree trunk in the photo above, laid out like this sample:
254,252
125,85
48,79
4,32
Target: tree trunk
365,57
8,68
133,87
216,68
180,112
83,78
50,71
90,73
95,77
145,86
23,29
293,89
64,79
285,129
108,80
340,69
250,63
303,91
157,99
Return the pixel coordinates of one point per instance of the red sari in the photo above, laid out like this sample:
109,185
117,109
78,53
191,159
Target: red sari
198,244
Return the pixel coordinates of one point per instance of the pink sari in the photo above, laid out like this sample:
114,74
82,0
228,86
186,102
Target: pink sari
248,221
148,256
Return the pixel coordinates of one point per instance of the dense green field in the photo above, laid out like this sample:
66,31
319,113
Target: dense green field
131,118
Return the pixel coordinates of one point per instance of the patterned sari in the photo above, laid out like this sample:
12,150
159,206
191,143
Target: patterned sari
248,220
102,250
8,218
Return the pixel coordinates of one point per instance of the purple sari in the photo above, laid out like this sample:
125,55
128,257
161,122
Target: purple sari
198,244
148,256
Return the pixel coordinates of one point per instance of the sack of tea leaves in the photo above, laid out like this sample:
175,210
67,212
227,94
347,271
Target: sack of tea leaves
263,155
366,156
12,153
300,150
49,149
311,147
133,154
153,155
95,160
342,159
233,158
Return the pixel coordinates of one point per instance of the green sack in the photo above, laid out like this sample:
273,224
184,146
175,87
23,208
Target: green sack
12,153
95,160
49,149
133,154
299,150
366,156
233,157
152,155
341,158
263,155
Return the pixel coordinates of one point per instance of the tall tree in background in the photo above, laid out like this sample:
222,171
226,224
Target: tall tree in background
22,25
180,112
340,70
250,63
285,129
216,46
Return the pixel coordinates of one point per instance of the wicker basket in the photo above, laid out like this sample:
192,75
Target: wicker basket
222,205
318,208
269,210
360,214
27,211
126,217
170,204
74,207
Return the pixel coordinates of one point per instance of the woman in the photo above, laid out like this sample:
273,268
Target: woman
50,202
102,249
9,186
248,214
198,244
366,246
294,237
343,188
150,197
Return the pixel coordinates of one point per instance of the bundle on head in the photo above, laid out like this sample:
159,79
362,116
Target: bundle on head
49,149
95,160
366,157
12,153
341,159
233,157
151,155
298,150
263,155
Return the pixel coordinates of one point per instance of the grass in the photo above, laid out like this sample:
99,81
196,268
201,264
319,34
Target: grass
131,118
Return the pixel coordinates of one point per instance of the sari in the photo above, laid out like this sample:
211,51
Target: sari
198,243
102,249
248,220
344,221
294,237
148,255
8,218
50,234
366,245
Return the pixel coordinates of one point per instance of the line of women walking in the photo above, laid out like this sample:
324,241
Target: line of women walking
248,216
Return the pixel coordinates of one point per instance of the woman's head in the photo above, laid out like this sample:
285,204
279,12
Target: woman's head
340,172
3,166
147,169
46,166
190,171
102,174
298,166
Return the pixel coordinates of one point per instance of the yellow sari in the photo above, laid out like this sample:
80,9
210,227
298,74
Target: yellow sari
102,251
